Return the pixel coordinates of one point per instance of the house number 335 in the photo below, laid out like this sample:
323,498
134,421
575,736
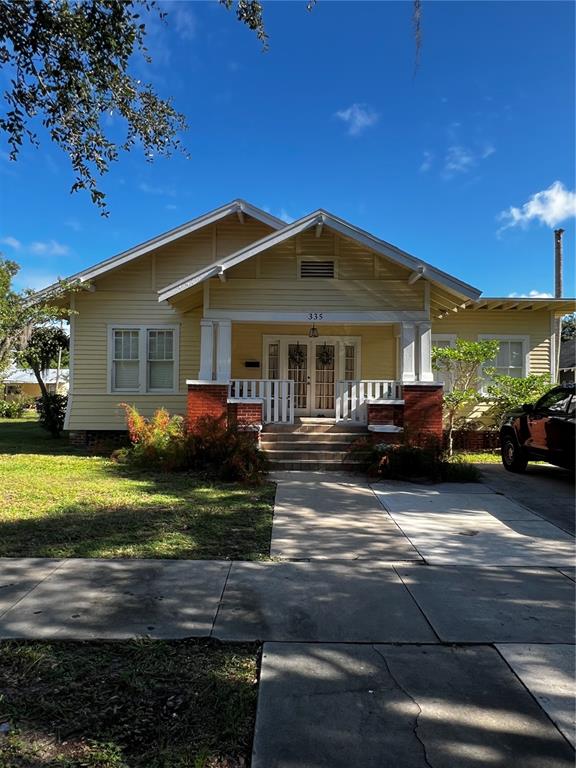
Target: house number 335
315,316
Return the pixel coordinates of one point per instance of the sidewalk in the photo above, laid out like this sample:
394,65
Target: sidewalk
420,627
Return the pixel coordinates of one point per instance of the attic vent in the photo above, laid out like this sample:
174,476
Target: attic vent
316,269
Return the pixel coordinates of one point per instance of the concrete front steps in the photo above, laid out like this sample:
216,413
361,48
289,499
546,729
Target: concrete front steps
311,444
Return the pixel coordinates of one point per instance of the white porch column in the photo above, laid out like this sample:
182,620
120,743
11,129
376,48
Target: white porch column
206,350
224,351
425,352
408,352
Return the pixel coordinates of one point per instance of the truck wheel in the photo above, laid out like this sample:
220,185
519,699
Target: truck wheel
513,457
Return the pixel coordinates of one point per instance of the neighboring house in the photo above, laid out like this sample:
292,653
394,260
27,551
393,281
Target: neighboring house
567,364
316,318
18,382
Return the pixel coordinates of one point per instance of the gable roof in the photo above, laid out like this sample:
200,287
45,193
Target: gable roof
323,218
21,376
236,206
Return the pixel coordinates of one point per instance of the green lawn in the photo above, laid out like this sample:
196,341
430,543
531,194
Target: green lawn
134,704
56,501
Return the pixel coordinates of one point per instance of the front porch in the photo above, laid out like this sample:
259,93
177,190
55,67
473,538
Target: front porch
358,373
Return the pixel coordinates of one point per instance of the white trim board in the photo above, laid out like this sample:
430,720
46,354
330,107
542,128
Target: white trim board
524,338
143,358
370,317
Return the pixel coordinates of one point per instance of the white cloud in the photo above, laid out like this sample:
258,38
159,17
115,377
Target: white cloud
280,214
458,160
152,190
427,160
11,242
74,224
550,206
34,279
531,295
185,22
48,248
357,117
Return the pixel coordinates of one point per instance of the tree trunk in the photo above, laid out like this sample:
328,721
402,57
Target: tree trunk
53,429
450,436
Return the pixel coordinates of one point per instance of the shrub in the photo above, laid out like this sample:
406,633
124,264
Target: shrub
157,443
507,393
457,470
51,409
409,461
164,442
13,409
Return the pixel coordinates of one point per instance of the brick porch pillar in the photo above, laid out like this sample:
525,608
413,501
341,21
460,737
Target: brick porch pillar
423,411
206,398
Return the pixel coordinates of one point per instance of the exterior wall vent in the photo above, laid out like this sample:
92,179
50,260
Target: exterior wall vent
319,269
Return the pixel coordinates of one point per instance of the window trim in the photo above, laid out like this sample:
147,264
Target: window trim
142,389
525,339
451,338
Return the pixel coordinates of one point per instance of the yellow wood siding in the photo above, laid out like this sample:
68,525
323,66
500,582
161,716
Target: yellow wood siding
316,295
377,350
89,387
535,324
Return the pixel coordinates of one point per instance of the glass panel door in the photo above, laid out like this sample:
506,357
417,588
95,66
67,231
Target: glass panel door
324,379
298,372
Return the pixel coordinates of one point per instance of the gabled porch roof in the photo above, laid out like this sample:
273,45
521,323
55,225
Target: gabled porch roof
320,219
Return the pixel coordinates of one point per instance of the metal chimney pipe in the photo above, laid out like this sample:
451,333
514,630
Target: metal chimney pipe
558,294
558,263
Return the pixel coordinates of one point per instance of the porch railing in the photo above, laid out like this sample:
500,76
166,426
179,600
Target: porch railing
352,397
277,394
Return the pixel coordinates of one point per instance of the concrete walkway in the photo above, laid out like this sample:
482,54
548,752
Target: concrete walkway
402,627
333,516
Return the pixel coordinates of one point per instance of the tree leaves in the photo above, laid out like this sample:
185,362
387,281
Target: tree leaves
68,64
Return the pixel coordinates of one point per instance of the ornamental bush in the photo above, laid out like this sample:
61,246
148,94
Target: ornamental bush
508,393
13,409
408,461
165,443
51,409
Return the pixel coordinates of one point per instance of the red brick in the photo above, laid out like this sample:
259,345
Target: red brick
206,400
423,411
386,413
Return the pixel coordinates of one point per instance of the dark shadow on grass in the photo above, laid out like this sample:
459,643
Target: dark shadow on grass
27,436
194,519
143,704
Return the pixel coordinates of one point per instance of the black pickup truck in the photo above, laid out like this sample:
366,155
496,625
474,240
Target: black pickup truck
541,432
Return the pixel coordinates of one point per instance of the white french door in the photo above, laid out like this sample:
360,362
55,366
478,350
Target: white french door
314,365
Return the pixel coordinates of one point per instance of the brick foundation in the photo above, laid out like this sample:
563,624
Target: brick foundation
386,413
474,440
423,411
96,439
209,399
245,414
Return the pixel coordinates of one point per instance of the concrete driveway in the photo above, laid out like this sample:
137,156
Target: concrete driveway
546,490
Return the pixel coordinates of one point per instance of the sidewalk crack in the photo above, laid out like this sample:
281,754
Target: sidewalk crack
412,699
220,601
35,586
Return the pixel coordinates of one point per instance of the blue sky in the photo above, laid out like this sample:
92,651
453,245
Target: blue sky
457,164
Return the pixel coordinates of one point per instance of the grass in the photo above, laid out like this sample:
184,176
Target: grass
56,501
479,457
132,704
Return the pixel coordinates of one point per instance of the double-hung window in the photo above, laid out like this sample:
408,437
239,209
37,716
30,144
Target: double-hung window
512,356
442,340
143,359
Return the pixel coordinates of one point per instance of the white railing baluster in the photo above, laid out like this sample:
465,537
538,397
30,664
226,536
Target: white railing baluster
277,396
353,396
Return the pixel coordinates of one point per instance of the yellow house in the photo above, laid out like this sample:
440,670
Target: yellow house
18,382
316,319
